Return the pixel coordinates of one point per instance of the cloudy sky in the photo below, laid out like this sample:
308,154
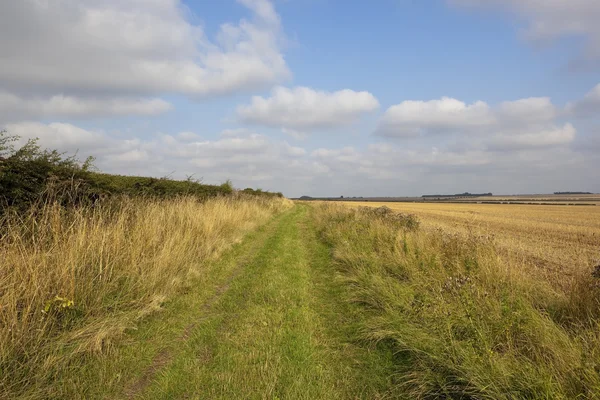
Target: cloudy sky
315,97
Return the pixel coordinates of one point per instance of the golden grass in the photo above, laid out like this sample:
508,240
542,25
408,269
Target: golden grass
466,315
73,281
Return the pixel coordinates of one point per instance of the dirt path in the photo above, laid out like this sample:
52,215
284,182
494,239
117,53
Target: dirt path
276,326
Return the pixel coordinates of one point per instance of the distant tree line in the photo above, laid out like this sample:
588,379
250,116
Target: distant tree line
573,193
466,194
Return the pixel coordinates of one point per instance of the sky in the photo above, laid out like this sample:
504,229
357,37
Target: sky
313,97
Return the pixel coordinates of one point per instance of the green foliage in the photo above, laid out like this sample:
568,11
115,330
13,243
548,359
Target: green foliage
260,192
227,185
154,187
30,175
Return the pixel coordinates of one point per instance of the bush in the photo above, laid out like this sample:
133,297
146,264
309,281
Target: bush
260,192
30,175
154,187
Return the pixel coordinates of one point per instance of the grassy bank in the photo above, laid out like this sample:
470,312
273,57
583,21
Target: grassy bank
463,321
73,280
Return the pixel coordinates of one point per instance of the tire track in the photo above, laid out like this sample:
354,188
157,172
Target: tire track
166,355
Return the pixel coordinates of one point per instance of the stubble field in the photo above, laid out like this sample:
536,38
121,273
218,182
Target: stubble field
554,241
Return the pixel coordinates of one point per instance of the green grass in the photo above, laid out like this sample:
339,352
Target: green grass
277,332
269,319
326,302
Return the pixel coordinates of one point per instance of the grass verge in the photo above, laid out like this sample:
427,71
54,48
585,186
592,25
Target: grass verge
279,331
462,322
72,281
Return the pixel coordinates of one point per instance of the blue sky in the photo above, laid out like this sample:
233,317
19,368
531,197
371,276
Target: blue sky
317,97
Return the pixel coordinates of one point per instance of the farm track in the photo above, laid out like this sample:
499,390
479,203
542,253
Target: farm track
273,325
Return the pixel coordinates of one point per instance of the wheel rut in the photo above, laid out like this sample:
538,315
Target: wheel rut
165,355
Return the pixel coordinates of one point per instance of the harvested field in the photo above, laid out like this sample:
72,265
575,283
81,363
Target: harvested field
547,238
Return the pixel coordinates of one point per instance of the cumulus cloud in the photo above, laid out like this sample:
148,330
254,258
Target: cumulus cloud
520,124
134,46
550,19
62,136
414,118
15,108
305,109
553,137
530,111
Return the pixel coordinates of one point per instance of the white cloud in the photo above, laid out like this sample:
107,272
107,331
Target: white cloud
264,9
589,106
188,136
295,151
549,19
303,109
412,118
131,156
527,122
235,132
340,156
62,136
135,46
533,110
255,160
298,135
386,157
553,137
16,108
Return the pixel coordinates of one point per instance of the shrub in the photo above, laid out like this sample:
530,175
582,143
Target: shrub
30,175
260,192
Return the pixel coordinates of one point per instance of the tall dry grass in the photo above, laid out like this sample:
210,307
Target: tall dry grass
463,321
73,280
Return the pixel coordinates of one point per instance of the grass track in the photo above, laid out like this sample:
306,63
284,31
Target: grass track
270,322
